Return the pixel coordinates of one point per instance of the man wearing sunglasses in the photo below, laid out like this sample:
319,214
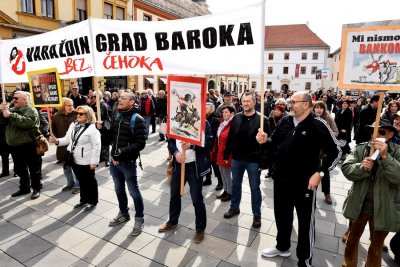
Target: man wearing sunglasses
374,194
297,143
22,124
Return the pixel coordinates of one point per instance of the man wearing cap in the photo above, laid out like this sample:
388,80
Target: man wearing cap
76,97
227,102
367,117
373,196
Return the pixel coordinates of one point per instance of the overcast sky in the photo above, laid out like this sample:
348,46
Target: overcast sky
325,18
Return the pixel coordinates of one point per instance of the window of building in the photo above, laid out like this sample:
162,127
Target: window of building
81,10
269,85
230,86
285,70
270,70
337,76
253,85
286,56
48,8
331,76
308,86
28,6
120,13
146,17
303,56
313,70
303,70
315,56
270,56
108,11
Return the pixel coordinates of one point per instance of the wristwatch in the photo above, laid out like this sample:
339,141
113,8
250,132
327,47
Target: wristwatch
321,174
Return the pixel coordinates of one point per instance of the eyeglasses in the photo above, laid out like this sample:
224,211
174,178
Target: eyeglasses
15,98
292,102
81,113
36,86
382,132
123,97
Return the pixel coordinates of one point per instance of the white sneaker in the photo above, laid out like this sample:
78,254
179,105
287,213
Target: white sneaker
273,252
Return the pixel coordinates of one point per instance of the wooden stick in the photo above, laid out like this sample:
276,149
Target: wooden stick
49,118
183,172
3,94
262,103
377,120
97,99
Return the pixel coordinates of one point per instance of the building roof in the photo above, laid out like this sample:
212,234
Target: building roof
180,8
296,35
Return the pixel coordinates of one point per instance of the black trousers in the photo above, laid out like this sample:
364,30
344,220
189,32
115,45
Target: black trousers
5,155
287,196
88,184
217,173
28,166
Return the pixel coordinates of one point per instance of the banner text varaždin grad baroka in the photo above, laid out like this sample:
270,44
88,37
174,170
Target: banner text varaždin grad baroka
208,38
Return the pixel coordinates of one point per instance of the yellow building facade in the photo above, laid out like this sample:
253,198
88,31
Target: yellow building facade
22,18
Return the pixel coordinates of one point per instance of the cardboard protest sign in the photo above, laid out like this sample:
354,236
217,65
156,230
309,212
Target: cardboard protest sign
186,109
45,88
233,41
370,56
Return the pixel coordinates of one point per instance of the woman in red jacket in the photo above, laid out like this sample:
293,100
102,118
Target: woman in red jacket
225,165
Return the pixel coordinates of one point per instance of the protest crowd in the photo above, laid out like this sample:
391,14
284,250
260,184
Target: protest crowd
305,135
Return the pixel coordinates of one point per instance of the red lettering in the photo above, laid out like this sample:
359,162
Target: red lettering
131,62
76,65
19,70
362,48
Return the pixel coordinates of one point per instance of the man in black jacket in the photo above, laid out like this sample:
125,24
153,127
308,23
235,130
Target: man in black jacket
246,154
298,139
367,117
128,139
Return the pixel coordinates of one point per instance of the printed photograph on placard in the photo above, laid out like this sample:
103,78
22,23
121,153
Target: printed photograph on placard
186,108
45,88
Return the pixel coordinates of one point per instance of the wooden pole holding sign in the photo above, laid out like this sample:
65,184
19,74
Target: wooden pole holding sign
377,120
183,171
96,86
3,94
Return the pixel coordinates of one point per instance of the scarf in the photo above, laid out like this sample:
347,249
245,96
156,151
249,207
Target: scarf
222,126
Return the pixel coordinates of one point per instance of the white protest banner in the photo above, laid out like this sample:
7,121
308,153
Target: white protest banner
68,49
224,43
230,42
370,56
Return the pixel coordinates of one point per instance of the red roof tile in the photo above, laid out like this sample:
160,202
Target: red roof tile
291,36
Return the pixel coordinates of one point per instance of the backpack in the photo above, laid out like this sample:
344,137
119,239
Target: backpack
132,124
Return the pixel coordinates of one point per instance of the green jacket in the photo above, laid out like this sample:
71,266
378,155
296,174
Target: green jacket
20,125
386,187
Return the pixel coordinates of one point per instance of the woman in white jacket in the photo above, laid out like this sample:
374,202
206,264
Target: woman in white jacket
83,140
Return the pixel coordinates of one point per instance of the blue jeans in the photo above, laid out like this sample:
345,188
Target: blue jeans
71,178
125,171
147,120
196,186
252,168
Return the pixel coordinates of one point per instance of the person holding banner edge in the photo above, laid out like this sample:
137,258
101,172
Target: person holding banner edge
197,164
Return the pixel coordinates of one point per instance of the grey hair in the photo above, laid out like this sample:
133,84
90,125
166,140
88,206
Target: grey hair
149,92
211,105
27,96
100,94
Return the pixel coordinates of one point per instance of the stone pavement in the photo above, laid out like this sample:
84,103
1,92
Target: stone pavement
49,232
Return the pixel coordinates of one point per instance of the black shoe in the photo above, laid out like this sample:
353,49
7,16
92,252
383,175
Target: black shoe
226,198
90,208
219,187
222,195
268,175
80,205
107,164
35,194
21,192
15,175
256,221
161,139
207,182
4,174
231,212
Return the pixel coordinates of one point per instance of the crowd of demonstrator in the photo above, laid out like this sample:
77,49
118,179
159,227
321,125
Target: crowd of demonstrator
304,136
